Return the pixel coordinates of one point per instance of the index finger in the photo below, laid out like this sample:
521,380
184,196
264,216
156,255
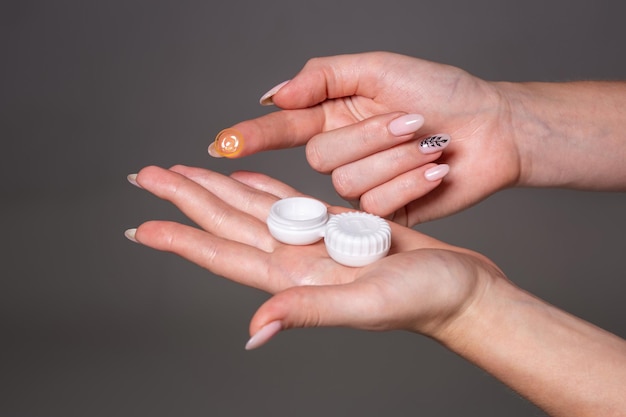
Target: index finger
277,130
312,103
291,128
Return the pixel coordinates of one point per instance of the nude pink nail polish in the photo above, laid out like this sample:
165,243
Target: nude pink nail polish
437,172
266,99
404,125
130,235
264,335
132,178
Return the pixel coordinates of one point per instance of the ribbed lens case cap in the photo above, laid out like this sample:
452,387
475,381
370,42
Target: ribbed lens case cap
352,239
357,238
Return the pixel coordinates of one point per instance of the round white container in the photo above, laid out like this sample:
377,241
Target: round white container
351,239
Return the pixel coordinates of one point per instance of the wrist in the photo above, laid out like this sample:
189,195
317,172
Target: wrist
524,126
481,309
568,134
552,358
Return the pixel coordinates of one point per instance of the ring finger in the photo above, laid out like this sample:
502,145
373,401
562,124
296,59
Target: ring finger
354,179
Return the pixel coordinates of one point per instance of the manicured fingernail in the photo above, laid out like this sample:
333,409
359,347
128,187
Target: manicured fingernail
130,235
264,335
437,172
132,178
213,152
434,143
403,125
266,99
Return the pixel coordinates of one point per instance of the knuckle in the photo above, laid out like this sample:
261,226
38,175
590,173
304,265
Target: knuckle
370,202
312,62
407,184
177,167
343,183
372,131
314,157
219,217
210,253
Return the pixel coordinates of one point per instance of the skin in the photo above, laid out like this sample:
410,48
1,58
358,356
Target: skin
453,295
503,134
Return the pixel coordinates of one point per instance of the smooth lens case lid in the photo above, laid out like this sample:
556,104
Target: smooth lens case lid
352,238
297,220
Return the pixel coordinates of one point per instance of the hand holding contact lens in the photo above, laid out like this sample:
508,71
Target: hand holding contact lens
229,143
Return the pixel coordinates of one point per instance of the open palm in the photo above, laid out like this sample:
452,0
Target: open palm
420,286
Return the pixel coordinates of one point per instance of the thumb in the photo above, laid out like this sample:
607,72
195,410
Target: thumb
301,118
314,306
328,78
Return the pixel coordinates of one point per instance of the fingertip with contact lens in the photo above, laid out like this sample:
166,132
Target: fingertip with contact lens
228,143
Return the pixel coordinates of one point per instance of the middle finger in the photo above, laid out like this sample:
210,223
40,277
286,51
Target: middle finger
354,179
206,209
245,197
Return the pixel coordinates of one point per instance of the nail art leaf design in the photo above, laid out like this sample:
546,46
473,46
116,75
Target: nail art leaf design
435,141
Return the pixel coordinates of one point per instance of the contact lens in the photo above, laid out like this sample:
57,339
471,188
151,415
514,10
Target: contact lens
229,142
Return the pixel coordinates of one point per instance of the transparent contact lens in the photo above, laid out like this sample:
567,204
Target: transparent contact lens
229,142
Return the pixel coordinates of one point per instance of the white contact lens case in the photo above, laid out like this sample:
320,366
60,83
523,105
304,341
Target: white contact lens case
351,239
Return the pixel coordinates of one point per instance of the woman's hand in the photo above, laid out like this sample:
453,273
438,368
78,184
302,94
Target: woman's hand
422,285
461,299
363,118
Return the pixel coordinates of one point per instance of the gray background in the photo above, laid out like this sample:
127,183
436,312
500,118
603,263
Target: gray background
92,325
